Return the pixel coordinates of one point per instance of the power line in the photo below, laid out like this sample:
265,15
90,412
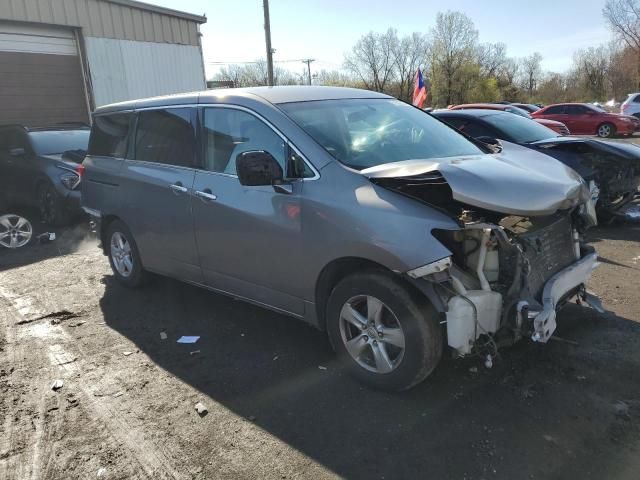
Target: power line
247,62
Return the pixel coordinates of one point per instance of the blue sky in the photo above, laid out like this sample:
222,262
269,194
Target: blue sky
326,29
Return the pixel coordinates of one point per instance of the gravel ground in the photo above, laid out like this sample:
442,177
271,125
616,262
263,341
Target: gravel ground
278,406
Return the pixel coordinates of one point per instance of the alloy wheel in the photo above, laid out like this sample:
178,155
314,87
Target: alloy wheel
371,334
604,131
15,231
121,254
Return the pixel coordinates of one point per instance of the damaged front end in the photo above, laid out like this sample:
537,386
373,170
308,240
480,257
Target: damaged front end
510,269
614,168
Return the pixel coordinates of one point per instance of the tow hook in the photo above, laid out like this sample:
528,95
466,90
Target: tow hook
590,299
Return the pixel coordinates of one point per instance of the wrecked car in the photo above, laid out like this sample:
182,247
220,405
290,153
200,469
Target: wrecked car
612,169
38,168
347,209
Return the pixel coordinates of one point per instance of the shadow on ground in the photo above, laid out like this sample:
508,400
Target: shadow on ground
547,410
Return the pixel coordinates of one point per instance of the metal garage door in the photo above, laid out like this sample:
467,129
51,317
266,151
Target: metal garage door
41,81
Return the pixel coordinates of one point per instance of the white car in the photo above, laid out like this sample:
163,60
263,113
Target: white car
631,106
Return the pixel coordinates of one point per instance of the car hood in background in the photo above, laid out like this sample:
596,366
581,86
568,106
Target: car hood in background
630,151
62,161
517,181
548,123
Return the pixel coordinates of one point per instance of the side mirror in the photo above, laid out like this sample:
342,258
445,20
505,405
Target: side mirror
493,143
17,152
257,168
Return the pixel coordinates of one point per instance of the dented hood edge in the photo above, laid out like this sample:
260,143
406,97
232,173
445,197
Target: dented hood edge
517,181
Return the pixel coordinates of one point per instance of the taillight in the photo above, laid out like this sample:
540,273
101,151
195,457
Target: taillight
80,170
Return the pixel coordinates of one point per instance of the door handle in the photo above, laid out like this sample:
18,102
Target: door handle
178,187
206,195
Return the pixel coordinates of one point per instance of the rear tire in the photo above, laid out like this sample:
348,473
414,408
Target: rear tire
393,341
606,130
124,258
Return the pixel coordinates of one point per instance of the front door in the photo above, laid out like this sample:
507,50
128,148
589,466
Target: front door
249,238
580,120
159,180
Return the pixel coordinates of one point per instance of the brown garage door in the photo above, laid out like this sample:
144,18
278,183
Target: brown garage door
41,79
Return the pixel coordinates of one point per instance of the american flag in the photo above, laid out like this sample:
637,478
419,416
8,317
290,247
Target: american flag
419,91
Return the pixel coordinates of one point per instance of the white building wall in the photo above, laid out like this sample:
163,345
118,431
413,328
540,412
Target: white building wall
126,70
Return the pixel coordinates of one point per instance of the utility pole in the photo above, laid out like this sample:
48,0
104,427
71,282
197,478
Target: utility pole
267,39
308,62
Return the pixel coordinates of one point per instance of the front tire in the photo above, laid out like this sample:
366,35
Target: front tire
50,207
124,257
387,336
606,130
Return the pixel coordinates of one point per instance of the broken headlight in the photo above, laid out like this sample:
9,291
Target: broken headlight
70,180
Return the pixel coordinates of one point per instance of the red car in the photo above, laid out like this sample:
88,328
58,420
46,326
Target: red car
585,119
557,127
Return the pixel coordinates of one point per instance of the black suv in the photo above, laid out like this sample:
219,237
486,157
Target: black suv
41,167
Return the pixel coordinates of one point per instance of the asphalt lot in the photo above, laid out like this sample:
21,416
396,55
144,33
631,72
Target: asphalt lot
278,406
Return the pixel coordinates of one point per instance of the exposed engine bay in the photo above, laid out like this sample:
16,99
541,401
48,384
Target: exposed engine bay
507,274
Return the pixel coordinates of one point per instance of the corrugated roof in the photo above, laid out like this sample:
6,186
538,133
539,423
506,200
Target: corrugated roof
163,10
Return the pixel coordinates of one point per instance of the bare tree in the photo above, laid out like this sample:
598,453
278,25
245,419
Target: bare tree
254,74
552,88
371,59
453,45
621,76
491,57
592,66
623,17
531,71
409,54
335,78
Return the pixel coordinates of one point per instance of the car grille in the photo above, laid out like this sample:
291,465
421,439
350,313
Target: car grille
564,130
549,249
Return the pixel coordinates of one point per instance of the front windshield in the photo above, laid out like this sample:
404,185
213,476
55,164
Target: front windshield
51,142
519,129
364,133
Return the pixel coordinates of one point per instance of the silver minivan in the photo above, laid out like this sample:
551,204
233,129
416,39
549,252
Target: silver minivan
348,209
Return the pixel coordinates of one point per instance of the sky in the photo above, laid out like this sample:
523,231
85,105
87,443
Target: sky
326,29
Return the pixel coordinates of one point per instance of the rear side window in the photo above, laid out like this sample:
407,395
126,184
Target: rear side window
576,110
109,135
166,136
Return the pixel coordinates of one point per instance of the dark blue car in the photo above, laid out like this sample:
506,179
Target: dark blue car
613,168
40,167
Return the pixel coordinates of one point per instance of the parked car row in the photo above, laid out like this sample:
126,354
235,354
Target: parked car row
554,125
361,215
587,119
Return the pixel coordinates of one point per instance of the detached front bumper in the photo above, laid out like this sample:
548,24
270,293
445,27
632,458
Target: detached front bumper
562,284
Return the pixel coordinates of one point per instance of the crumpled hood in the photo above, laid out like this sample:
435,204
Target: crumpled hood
517,181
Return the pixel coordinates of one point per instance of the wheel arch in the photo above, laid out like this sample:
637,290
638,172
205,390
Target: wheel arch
340,268
105,221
